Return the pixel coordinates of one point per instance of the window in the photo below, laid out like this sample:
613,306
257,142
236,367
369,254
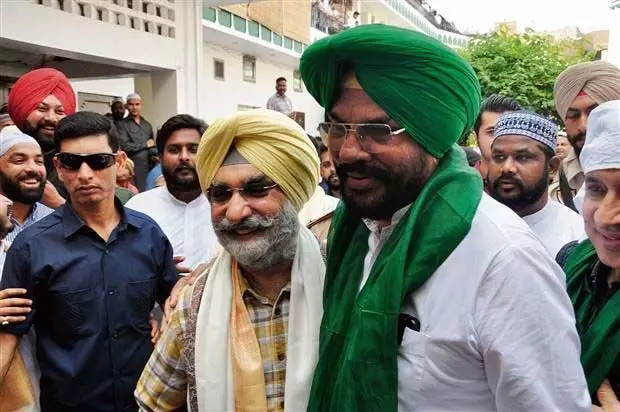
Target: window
130,4
297,83
145,7
100,14
218,69
249,69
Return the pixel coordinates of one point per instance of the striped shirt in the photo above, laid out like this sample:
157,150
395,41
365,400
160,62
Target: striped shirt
38,212
164,382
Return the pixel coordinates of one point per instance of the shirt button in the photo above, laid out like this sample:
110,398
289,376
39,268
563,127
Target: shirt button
277,312
115,335
111,292
107,251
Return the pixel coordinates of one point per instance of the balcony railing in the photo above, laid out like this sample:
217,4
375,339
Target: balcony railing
433,17
325,22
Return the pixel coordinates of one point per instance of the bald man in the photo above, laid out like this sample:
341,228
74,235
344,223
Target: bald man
254,313
578,90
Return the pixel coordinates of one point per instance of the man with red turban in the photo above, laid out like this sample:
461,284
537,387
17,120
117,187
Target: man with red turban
37,102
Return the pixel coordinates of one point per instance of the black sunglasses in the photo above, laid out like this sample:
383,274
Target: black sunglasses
222,194
97,161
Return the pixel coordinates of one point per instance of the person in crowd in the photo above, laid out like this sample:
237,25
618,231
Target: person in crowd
280,102
93,270
16,391
490,111
136,135
563,148
353,20
593,266
180,207
124,177
5,120
36,103
431,286
330,180
577,91
522,158
245,335
473,157
117,110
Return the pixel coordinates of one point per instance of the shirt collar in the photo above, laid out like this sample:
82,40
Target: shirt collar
199,199
31,215
72,223
246,290
376,226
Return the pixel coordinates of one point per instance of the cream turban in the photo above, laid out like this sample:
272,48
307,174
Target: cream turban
600,80
271,142
10,136
601,149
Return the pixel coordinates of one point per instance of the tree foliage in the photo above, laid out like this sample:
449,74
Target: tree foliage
524,66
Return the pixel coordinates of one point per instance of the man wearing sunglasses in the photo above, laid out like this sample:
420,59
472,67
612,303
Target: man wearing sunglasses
244,336
436,297
93,271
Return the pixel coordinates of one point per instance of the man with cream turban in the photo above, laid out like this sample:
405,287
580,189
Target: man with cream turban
433,291
244,336
593,266
578,90
37,102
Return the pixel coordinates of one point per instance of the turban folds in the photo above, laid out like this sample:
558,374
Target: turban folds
422,84
600,80
271,142
33,87
11,136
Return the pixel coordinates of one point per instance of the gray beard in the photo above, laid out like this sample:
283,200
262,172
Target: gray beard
276,245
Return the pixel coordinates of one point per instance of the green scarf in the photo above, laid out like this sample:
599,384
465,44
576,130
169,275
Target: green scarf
357,368
600,335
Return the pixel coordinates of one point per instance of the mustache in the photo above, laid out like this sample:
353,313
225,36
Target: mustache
45,123
250,223
30,175
185,167
363,168
508,179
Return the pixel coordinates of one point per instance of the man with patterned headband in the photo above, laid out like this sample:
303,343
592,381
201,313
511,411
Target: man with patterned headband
522,159
244,336
577,91
436,297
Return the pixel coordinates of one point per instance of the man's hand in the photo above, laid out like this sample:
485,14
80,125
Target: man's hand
607,397
154,329
173,299
13,308
51,197
180,268
150,143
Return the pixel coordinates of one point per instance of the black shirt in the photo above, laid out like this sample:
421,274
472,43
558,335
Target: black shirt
133,135
91,305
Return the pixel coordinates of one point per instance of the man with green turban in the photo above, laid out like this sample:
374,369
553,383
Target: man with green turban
436,297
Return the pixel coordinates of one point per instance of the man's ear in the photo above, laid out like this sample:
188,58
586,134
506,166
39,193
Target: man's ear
554,164
59,169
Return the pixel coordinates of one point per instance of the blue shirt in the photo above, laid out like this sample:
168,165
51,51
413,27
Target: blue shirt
38,212
152,177
91,305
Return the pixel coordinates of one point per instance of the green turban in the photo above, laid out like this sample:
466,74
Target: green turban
422,84
434,94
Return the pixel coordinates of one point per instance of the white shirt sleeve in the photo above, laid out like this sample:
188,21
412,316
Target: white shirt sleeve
526,328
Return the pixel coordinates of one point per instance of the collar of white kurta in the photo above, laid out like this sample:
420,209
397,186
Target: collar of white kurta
213,363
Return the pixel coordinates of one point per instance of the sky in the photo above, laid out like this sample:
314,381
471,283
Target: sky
541,15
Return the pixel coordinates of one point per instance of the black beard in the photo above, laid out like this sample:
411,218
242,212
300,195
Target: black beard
402,184
14,191
527,195
573,142
180,185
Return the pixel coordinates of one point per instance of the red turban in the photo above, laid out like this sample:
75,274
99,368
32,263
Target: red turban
33,87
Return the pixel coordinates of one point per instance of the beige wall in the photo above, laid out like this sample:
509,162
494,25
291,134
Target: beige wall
290,18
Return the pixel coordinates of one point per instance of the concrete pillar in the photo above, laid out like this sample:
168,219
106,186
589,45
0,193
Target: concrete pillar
188,19
165,96
144,88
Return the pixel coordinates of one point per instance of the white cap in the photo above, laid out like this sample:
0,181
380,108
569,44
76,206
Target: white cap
602,147
133,96
118,100
10,136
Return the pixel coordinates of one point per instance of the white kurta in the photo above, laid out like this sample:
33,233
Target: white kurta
497,326
187,225
556,225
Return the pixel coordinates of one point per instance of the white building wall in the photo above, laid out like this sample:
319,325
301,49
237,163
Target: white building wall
223,97
107,87
613,54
